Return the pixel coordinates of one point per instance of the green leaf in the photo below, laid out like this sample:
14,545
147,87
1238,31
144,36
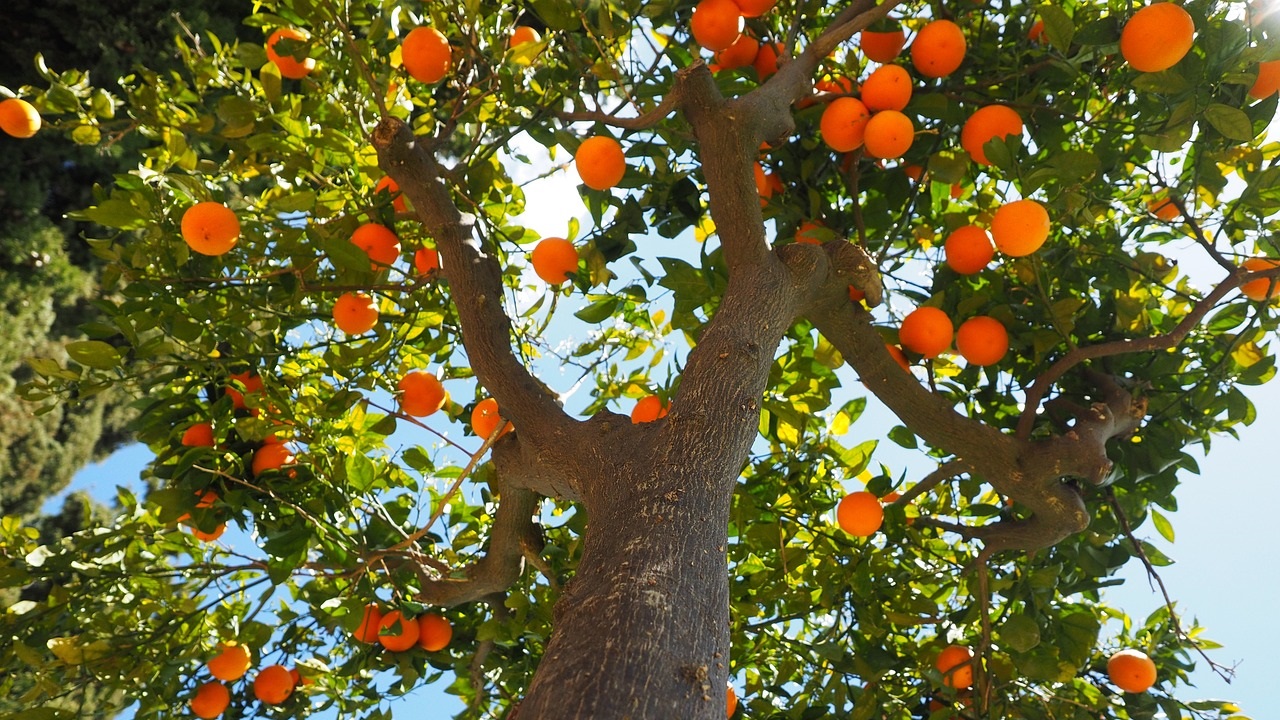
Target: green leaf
1058,26
1232,122
1163,526
94,354
1020,632
599,310
361,472
903,437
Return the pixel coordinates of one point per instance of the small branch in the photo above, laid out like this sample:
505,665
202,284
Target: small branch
640,122
1226,673
946,471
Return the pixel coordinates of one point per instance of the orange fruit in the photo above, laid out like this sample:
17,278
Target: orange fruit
987,123
421,393
838,85
1020,227
426,55
898,356
485,418
273,685
765,183
252,384
754,8
198,435
1164,208
648,409
600,161
766,62
730,700
378,242
19,118
860,514
738,55
716,24
888,87
1036,32
554,258
210,228
844,124
1131,670
954,662
209,536
806,232
355,313
397,633
272,456
926,331
1265,86
389,186
982,340
434,632
968,249
231,662
856,295
882,47
289,66
523,34
1262,288
211,699
1157,37
938,49
889,134
425,260
370,624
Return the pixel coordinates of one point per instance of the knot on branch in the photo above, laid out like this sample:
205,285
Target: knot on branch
853,264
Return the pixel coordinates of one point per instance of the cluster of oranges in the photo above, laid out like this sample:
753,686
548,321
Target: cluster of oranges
273,685
399,633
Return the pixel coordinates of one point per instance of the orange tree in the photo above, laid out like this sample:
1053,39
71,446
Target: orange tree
749,263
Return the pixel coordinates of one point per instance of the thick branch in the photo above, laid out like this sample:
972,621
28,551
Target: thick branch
640,122
475,280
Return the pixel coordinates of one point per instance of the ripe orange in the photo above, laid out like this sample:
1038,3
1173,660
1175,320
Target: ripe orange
600,161
888,87
425,260
738,55
426,54
926,331
1157,37
766,184
434,632
1036,32
954,662
19,118
716,24
523,34
370,623
273,685
421,393
252,384
968,249
397,633
648,409
844,124
272,456
1265,86
231,662
882,47
389,186
837,85
755,8
898,356
1262,288
554,258
889,134
987,123
1131,670
856,295
1020,227
860,514
766,62
378,242
289,66
485,418
806,232
207,500
1164,208
731,700
211,699
210,228
938,49
982,340
209,536
355,313
198,435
